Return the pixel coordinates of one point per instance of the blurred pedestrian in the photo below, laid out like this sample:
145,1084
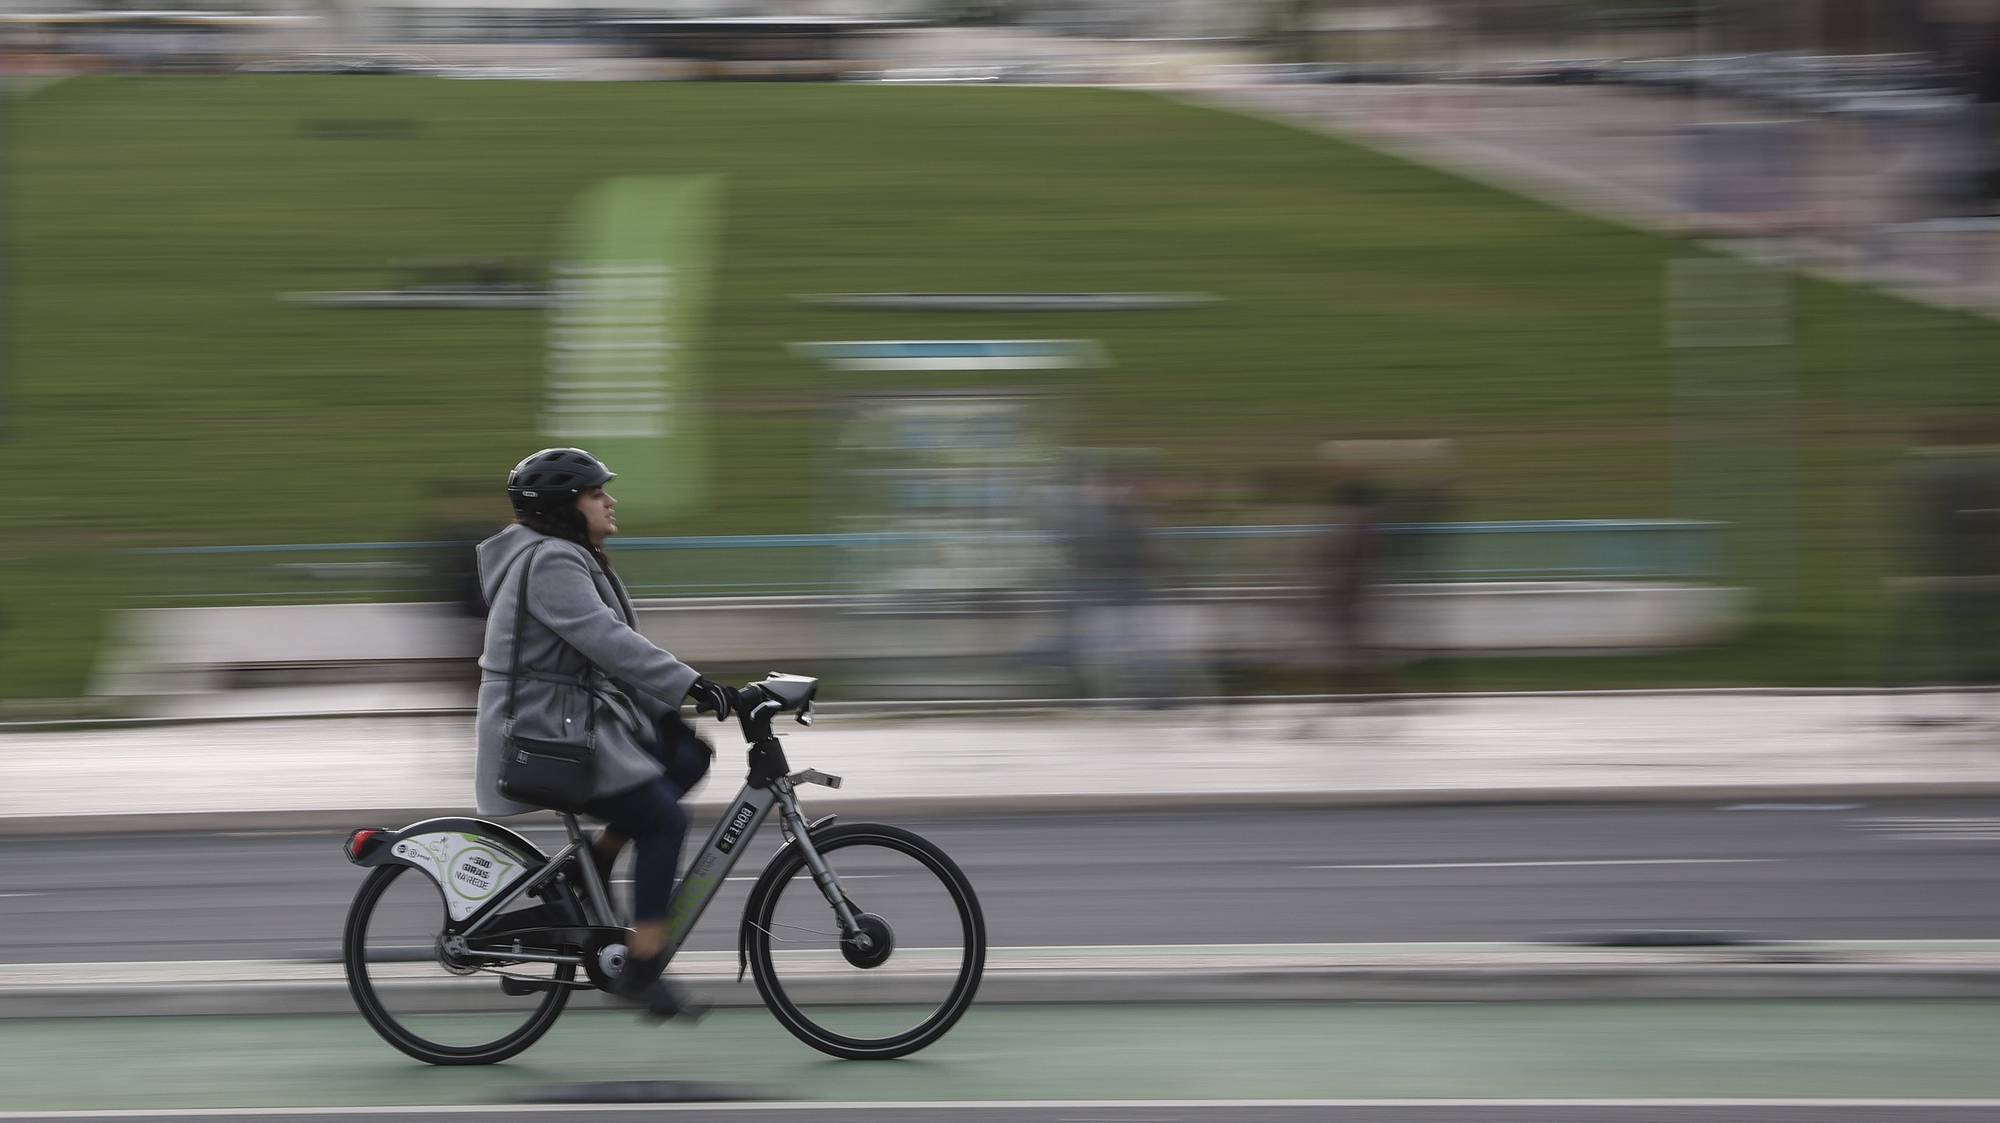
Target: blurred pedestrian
1966,36
1353,559
1381,507
1112,561
1948,491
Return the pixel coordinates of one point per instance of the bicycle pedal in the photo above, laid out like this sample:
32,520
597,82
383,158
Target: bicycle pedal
521,988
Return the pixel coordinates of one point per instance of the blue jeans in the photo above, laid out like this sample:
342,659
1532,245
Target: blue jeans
651,816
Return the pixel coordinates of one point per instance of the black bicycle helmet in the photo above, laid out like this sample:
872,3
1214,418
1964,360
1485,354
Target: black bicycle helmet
554,477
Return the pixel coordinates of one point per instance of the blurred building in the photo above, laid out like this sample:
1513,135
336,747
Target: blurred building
59,38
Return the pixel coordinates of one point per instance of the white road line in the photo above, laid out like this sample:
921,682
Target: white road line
23,894
988,1105
1987,819
1568,862
1916,829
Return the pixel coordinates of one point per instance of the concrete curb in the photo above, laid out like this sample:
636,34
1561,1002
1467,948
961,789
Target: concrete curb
1577,982
341,820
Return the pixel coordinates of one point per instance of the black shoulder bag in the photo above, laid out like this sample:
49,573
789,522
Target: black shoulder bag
556,774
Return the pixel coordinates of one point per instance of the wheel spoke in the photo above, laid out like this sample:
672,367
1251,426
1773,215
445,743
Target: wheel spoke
428,1001
922,959
795,928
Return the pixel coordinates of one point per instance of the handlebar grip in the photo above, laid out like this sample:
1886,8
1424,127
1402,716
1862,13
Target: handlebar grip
749,698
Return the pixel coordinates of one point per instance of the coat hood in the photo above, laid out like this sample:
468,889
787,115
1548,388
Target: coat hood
497,554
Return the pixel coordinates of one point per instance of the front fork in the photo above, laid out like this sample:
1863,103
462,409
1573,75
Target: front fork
798,832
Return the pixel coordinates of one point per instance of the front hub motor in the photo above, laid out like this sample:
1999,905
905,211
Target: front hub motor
880,942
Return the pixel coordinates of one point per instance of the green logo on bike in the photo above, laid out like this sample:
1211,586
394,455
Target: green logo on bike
477,872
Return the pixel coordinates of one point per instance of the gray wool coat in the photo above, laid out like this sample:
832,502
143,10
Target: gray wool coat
579,624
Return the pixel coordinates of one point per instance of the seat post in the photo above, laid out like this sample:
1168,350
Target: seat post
594,888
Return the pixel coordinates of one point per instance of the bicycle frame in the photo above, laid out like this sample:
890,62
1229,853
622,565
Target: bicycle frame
767,787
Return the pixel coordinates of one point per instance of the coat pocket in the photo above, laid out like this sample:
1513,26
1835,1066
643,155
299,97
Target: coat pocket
552,711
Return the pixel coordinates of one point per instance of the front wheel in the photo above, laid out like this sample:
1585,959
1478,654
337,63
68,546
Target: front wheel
915,975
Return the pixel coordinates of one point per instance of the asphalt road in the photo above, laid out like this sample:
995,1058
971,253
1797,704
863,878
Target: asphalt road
1886,870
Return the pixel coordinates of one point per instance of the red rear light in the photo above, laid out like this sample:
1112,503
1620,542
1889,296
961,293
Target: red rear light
357,843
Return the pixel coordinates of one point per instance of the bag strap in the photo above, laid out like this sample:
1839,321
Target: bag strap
520,622
514,672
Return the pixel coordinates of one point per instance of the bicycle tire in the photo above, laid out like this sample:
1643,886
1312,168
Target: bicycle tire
829,842
384,1023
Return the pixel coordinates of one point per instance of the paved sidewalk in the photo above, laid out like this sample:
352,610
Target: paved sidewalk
334,772
1625,155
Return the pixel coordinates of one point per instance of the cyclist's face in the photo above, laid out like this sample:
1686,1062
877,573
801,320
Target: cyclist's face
598,514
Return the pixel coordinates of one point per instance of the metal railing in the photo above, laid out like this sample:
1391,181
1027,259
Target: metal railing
775,564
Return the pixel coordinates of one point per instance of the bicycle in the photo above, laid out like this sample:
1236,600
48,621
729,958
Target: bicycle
480,872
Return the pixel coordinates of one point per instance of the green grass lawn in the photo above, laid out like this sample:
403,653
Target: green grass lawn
162,395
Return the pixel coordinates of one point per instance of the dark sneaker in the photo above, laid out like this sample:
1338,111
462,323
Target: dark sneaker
668,999
634,979
640,984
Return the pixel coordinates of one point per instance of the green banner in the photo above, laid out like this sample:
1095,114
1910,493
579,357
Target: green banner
631,286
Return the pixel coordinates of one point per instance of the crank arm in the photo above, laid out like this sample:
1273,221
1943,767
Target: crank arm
517,986
478,956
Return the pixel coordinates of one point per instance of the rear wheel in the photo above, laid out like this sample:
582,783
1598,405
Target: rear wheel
425,1000
921,963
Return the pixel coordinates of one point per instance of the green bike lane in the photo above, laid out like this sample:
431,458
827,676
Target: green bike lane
1691,1049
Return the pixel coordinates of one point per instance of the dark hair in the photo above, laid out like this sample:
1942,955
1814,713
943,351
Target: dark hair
567,523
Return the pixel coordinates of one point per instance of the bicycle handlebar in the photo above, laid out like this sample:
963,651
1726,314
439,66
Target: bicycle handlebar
776,693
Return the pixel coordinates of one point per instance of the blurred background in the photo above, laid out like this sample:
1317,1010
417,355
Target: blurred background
284,302
1165,360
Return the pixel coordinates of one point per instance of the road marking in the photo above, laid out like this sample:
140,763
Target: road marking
987,1105
1982,821
1916,829
1793,807
1565,862
23,894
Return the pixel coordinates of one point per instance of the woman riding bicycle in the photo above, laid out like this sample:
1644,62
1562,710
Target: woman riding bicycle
583,669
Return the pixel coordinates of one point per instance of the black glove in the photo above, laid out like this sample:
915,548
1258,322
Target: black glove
713,698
